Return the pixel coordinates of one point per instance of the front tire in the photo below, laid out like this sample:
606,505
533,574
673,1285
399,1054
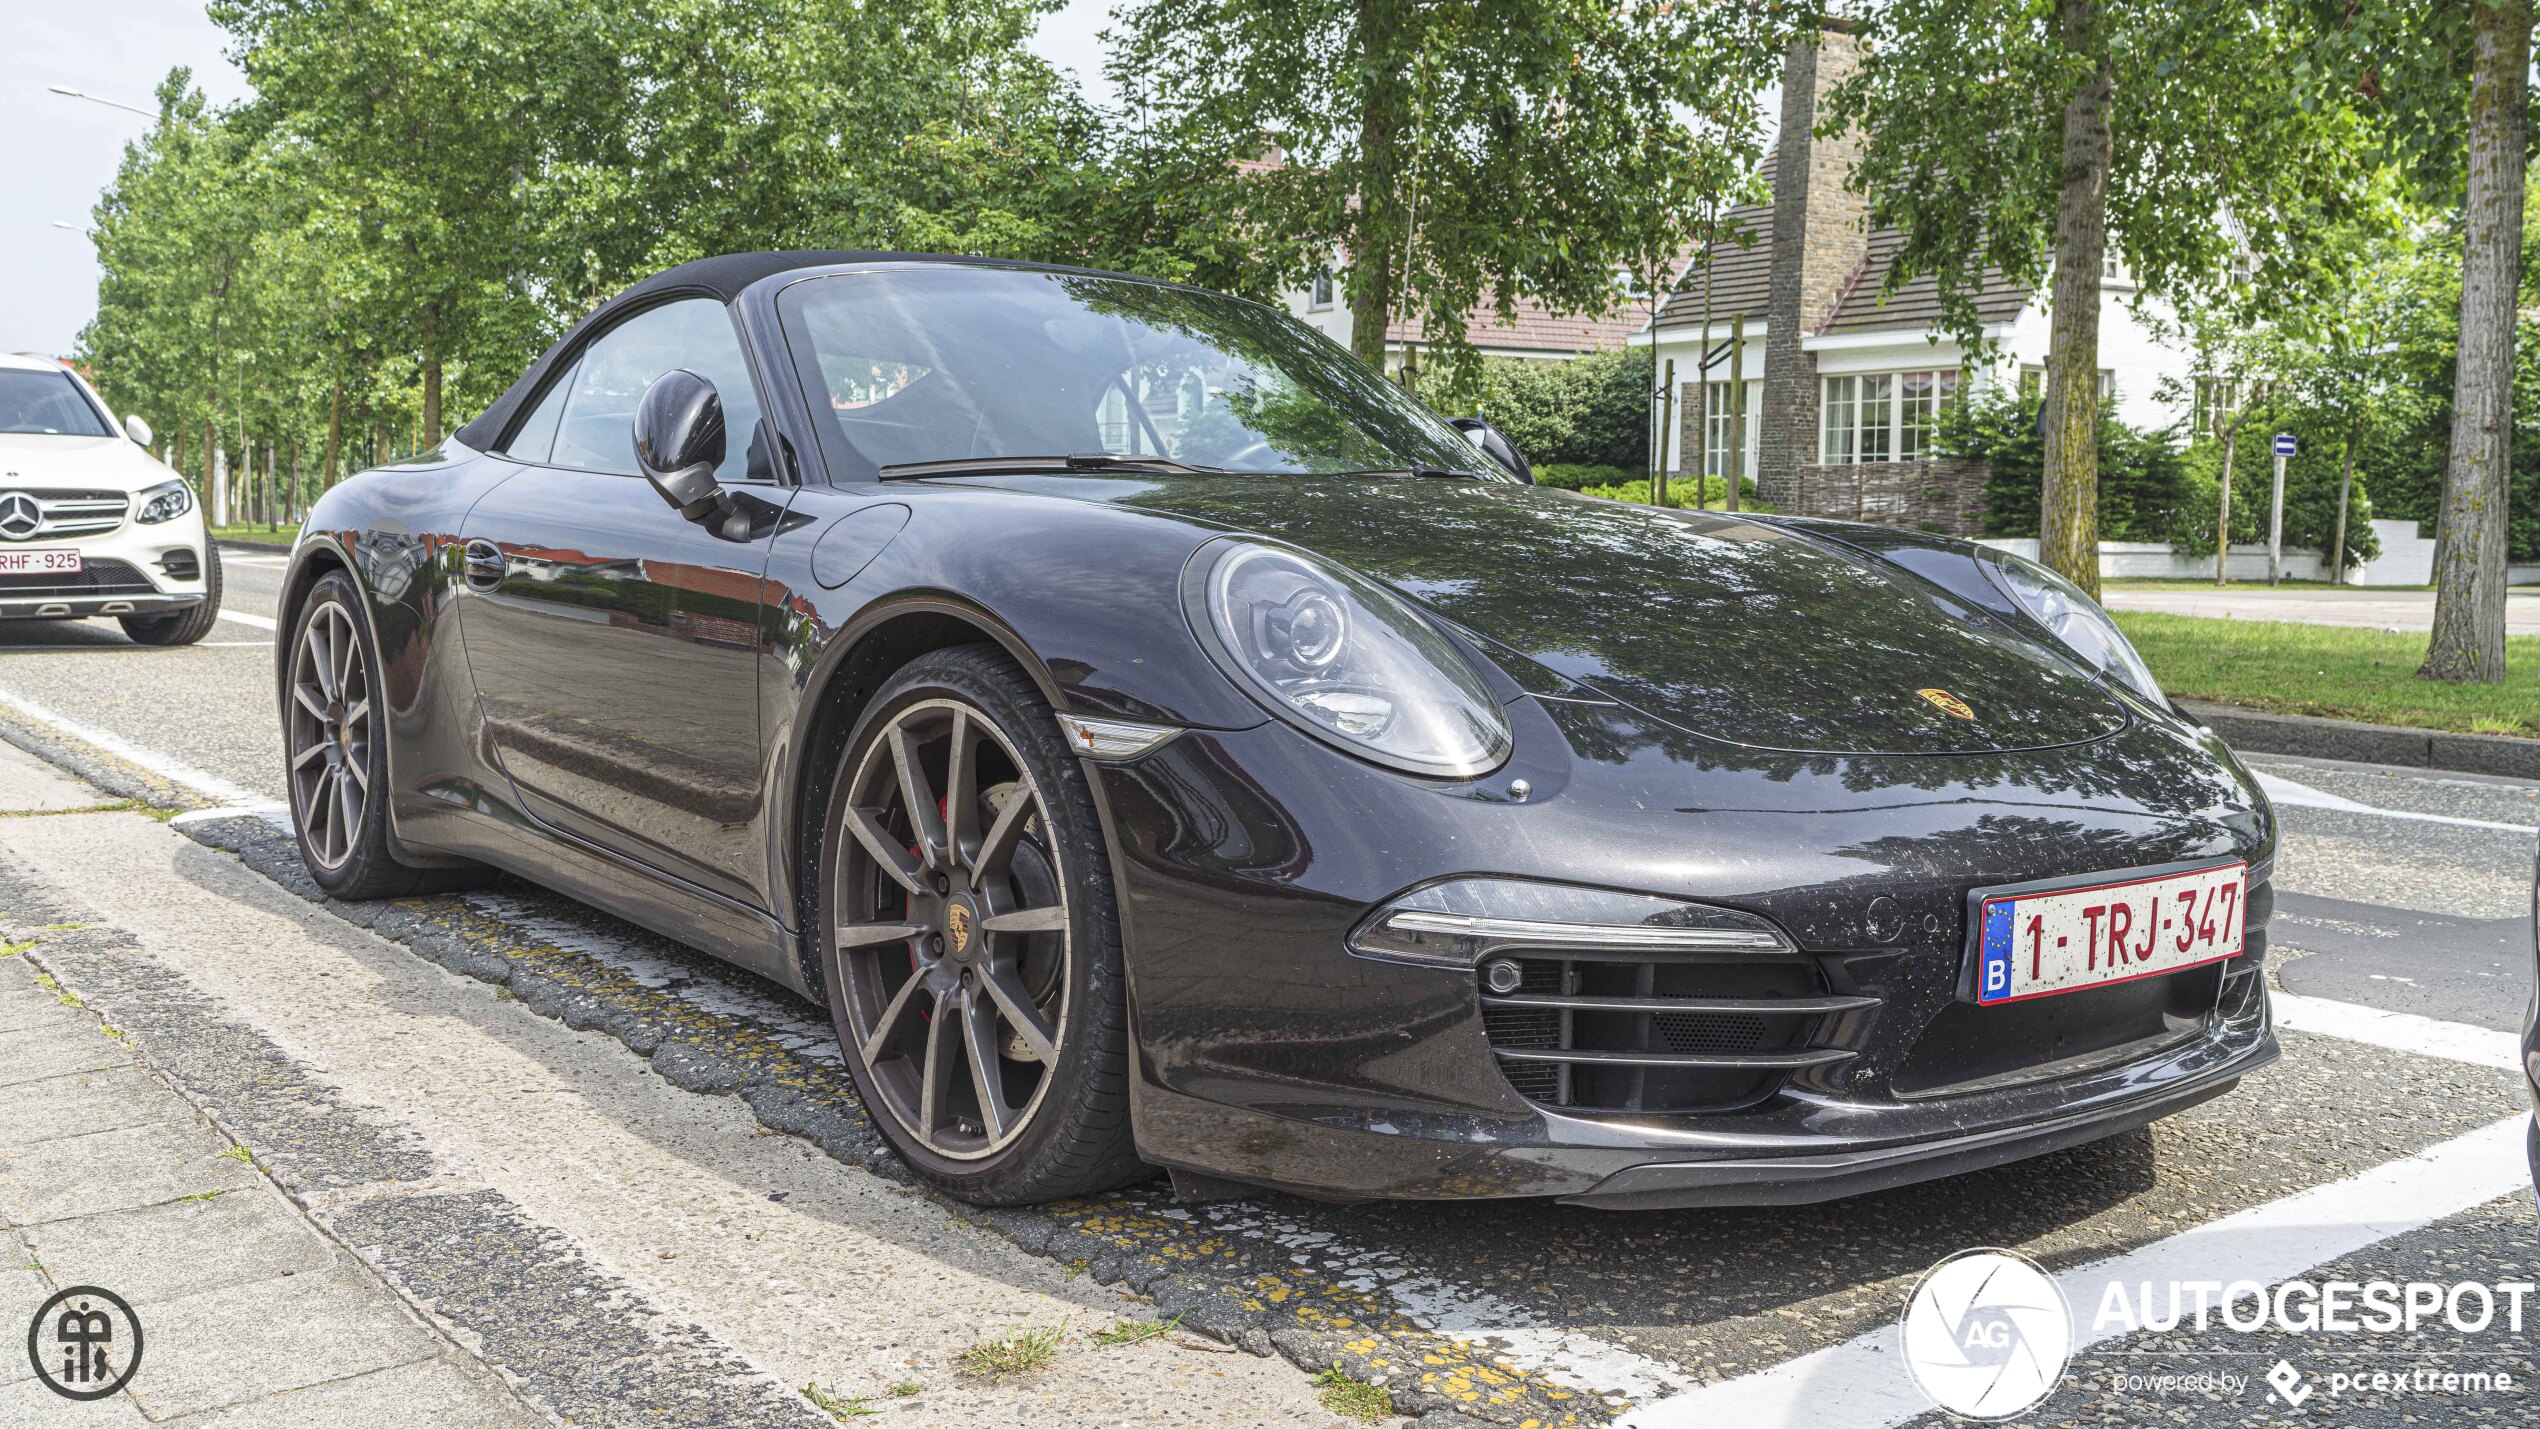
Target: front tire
182,627
970,942
337,761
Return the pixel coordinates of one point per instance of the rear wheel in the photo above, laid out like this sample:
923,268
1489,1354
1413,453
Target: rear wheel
338,763
970,943
181,627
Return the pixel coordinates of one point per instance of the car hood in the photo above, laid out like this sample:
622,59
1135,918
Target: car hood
33,461
1733,629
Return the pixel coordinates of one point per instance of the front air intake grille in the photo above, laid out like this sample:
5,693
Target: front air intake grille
181,565
95,579
50,515
1656,1032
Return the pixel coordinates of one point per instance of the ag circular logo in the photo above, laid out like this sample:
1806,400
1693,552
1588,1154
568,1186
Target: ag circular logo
1987,1334
85,1343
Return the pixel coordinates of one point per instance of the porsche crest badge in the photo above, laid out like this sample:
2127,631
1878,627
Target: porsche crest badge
1947,703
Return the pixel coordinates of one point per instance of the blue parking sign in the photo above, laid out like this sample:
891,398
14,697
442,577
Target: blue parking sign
2284,444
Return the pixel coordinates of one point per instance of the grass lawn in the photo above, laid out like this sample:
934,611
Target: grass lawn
2340,672
2206,586
258,532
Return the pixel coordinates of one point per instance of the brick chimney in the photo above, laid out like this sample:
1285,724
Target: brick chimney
1820,237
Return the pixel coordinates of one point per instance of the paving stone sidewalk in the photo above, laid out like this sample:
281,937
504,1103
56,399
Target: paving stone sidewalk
251,1317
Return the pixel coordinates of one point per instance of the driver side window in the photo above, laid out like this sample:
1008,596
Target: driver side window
597,429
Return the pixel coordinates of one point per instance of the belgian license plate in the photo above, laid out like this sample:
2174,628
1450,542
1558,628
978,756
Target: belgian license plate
56,562
2038,944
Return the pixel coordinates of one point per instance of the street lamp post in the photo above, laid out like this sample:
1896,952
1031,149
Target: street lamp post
69,93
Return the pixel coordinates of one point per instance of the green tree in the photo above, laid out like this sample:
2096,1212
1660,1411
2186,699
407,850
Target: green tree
1452,157
2048,137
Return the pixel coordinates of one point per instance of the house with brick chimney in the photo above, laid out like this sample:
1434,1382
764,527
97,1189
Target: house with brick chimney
1843,379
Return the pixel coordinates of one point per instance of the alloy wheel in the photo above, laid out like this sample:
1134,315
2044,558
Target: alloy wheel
953,933
329,734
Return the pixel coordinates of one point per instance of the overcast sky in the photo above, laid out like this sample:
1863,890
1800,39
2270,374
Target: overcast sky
56,153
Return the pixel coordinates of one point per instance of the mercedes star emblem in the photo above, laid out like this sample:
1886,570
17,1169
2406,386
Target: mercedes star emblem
19,515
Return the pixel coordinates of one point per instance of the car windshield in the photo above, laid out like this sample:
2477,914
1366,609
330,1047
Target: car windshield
961,363
46,404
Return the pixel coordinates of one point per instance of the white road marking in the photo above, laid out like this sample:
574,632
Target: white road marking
2398,1031
1862,1383
2284,791
175,771
259,622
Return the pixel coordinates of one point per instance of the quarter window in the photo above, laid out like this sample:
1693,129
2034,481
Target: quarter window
597,431
536,439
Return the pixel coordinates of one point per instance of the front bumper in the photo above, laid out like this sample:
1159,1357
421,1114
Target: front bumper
135,569
1267,1053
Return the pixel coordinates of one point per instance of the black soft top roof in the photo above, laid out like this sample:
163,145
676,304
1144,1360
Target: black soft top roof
722,277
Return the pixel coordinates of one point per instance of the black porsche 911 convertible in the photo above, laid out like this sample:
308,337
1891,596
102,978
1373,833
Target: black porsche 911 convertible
1159,741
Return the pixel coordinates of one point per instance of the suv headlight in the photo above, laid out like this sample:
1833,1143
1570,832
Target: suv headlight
2071,616
1345,660
165,502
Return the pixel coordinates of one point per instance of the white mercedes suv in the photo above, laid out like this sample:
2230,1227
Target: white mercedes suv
90,524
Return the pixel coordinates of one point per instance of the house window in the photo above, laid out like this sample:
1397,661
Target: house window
1837,417
2033,381
1882,416
1920,396
2217,402
1322,293
1715,415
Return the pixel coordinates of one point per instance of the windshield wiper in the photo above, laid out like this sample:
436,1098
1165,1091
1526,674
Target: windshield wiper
1433,473
1073,461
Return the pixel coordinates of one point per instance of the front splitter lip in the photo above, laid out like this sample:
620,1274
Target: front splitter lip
1798,1180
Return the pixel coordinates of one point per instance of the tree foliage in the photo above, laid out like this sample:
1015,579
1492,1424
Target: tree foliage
2029,135
1453,158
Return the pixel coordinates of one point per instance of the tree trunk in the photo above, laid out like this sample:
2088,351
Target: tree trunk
2068,506
334,428
2469,544
431,383
2345,493
1736,476
1700,455
1384,32
2222,521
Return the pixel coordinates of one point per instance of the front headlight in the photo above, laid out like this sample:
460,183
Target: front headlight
1346,660
2074,618
165,502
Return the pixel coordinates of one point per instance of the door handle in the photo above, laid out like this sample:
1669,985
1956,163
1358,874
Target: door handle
484,564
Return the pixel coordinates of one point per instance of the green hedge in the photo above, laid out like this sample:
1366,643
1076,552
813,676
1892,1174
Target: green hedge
1588,411
1578,476
1715,493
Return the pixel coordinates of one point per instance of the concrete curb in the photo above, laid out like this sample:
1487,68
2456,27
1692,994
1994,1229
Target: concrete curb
232,543
2256,733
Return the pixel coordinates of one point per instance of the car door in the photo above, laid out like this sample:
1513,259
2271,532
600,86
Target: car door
612,642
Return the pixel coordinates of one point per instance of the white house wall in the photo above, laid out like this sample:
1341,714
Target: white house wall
2127,347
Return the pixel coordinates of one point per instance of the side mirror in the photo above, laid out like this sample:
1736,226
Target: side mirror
1494,444
679,442
138,430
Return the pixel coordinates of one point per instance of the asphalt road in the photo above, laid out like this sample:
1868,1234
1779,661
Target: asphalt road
2318,605
2382,1144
